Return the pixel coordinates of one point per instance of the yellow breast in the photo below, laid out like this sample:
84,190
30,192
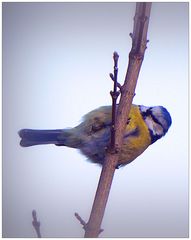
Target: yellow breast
136,138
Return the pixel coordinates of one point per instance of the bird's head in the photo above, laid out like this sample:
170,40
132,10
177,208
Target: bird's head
157,119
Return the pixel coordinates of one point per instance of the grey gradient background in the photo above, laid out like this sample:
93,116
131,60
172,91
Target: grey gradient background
56,60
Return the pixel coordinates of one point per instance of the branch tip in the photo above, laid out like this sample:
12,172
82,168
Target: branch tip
115,56
36,224
34,213
111,76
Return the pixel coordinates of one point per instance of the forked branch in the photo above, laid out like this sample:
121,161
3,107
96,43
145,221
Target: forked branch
136,55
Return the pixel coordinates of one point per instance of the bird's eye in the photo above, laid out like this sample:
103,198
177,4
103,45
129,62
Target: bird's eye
144,114
147,113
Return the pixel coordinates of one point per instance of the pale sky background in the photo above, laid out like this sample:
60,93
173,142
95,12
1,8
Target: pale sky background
56,63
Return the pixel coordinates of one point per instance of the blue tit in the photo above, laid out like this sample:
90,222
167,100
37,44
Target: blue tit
92,136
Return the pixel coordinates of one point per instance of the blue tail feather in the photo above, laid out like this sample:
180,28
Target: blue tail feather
30,137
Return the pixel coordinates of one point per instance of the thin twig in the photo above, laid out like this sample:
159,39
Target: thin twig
139,38
114,95
36,224
112,148
83,223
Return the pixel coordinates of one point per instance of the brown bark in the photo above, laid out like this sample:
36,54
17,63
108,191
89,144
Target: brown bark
136,55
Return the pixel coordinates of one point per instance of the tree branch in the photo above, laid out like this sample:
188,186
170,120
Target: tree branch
139,40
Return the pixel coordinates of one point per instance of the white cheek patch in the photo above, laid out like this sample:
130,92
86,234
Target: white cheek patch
163,122
157,112
154,127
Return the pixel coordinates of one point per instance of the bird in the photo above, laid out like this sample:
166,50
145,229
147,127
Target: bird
144,127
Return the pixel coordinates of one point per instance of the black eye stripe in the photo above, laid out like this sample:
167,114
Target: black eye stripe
149,113
155,119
